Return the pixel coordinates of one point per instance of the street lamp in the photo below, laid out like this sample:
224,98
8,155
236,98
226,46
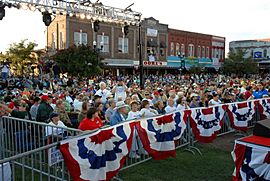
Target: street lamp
182,61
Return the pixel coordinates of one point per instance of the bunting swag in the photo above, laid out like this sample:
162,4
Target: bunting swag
251,163
240,113
158,134
206,123
264,107
98,156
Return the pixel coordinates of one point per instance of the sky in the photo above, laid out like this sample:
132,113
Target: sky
233,19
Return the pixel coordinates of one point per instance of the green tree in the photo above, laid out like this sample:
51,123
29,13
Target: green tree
20,57
81,60
237,64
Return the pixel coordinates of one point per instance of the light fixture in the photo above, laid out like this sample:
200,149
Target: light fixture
64,13
88,17
24,6
82,16
50,11
32,8
42,9
71,14
2,12
96,26
57,12
47,19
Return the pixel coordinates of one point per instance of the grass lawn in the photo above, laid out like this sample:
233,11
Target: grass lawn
214,165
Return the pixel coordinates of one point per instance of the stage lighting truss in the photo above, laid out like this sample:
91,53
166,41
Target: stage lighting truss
83,9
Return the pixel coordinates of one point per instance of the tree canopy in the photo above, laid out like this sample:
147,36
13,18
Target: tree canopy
81,60
20,57
237,63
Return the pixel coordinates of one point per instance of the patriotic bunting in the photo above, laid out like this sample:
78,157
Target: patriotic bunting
99,156
206,122
264,108
240,114
251,162
158,134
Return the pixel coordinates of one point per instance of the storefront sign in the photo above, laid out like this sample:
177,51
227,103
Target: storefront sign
152,32
154,63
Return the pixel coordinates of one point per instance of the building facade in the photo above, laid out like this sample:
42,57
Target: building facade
258,50
196,49
120,53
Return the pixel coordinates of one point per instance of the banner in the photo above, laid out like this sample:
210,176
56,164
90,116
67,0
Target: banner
240,114
158,134
98,156
264,108
251,163
206,122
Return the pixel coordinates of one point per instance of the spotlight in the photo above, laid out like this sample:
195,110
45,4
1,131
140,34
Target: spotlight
32,8
50,11
82,16
47,19
88,17
126,31
42,9
24,6
71,14
96,26
2,12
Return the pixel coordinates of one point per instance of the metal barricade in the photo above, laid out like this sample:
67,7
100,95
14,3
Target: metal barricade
20,135
26,149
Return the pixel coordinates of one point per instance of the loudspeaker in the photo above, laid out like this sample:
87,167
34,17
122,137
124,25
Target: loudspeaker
262,128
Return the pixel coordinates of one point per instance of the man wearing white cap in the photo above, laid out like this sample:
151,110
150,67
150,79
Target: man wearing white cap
119,114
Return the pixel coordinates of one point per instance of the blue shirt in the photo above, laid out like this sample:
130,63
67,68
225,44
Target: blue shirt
259,94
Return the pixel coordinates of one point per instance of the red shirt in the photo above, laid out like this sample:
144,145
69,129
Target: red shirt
88,124
247,95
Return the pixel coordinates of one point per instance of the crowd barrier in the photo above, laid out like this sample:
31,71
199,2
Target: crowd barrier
27,153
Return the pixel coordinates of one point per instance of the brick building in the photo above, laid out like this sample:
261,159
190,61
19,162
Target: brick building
120,53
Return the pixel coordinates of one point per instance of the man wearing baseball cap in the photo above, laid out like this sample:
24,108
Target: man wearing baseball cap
44,109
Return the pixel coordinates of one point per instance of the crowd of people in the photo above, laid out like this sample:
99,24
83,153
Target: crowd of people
91,103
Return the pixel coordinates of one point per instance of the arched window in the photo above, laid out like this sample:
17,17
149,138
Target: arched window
177,49
207,52
190,50
199,52
203,51
183,49
172,49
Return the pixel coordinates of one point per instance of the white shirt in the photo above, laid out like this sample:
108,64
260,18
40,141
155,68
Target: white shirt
181,107
77,105
103,94
69,99
213,102
133,115
146,113
169,109
120,91
53,130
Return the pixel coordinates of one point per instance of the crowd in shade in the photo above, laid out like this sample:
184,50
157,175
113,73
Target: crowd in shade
90,103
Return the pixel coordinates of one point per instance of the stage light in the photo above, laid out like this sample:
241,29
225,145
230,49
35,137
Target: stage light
71,14
126,31
47,19
2,12
96,26
42,9
88,17
57,12
82,16
50,11
32,8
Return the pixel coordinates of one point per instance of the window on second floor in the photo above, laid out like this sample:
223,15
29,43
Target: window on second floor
80,38
203,52
190,50
103,40
207,52
122,45
199,52
177,49
172,49
182,49
53,41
